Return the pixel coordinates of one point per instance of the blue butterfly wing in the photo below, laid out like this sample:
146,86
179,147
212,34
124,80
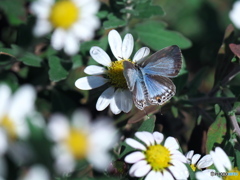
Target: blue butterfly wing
166,62
159,89
135,84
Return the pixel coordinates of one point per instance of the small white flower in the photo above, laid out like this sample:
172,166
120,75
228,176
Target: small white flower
36,172
81,140
72,20
13,112
195,163
222,164
117,94
156,161
234,14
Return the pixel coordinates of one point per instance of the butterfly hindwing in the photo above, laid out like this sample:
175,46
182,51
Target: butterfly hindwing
166,62
159,89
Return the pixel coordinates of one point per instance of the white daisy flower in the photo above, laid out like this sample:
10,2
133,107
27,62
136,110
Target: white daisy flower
13,112
196,163
154,160
234,14
222,164
81,140
36,172
117,94
72,20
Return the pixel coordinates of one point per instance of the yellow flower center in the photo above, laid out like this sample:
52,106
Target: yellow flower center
77,143
9,125
158,157
193,167
234,174
63,14
115,74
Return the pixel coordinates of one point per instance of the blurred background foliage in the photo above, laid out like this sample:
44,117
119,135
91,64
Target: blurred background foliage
207,99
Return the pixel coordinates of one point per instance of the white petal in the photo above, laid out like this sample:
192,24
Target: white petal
100,161
189,154
41,9
89,8
134,157
142,171
167,176
102,135
137,166
115,42
105,99
175,154
234,14
113,105
181,167
152,175
206,175
220,160
81,119
71,45
58,127
127,46
135,144
171,143
158,137
90,82
205,162
177,173
37,172
195,158
3,142
123,100
100,56
58,39
140,54
150,137
41,28
64,163
5,95
141,136
22,104
94,70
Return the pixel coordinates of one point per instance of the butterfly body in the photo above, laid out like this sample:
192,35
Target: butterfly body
148,79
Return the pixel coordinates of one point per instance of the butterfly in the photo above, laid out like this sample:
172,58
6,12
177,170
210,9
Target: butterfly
148,79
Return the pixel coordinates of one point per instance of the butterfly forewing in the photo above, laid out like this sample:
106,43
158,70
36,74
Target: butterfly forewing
135,84
166,62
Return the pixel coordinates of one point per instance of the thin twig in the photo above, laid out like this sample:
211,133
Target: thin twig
232,116
207,99
224,82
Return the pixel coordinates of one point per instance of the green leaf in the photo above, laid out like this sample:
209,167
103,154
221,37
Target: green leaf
147,125
174,111
56,72
31,59
147,10
191,172
77,61
153,34
14,11
216,131
113,22
27,58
